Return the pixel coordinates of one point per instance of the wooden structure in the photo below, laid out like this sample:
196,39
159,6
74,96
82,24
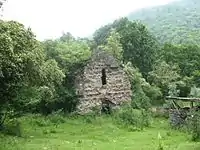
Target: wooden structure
178,115
185,99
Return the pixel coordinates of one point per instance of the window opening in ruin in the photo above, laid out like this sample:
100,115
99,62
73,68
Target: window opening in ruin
103,78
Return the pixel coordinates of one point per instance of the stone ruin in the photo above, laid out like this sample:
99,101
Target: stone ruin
102,84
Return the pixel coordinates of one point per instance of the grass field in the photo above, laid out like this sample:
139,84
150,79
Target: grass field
99,134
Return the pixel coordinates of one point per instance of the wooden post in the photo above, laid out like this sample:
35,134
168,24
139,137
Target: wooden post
191,104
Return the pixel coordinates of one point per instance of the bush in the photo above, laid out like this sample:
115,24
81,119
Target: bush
9,124
193,125
140,100
45,121
56,117
160,112
91,117
154,93
133,118
36,120
144,94
13,127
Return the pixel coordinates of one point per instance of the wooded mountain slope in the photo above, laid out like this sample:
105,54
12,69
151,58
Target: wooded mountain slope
177,22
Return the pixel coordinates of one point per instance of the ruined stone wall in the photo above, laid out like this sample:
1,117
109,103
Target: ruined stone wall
90,88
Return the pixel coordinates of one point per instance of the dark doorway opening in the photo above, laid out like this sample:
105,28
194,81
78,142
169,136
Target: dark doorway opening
106,108
103,77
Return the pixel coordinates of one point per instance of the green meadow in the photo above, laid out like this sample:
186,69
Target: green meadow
94,133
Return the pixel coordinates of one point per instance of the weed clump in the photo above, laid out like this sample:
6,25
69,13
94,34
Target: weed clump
193,125
134,119
12,127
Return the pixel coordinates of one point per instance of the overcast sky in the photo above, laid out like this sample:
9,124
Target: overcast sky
49,18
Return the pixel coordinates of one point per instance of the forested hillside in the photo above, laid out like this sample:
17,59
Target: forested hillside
177,22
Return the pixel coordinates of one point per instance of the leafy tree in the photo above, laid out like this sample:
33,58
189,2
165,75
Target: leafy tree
71,55
101,35
144,94
186,56
139,99
196,78
195,92
163,75
139,46
67,51
22,63
113,45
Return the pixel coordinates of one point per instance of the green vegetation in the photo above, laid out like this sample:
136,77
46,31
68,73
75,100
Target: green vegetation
139,46
97,133
37,84
177,22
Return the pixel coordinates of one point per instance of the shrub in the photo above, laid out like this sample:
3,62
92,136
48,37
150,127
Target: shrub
9,124
140,100
13,127
154,93
57,117
160,112
45,121
91,117
135,119
41,123
193,125
144,94
37,120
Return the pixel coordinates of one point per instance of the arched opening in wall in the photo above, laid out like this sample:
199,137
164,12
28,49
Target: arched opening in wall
103,77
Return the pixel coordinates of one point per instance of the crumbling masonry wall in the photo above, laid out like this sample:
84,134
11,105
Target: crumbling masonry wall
93,92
